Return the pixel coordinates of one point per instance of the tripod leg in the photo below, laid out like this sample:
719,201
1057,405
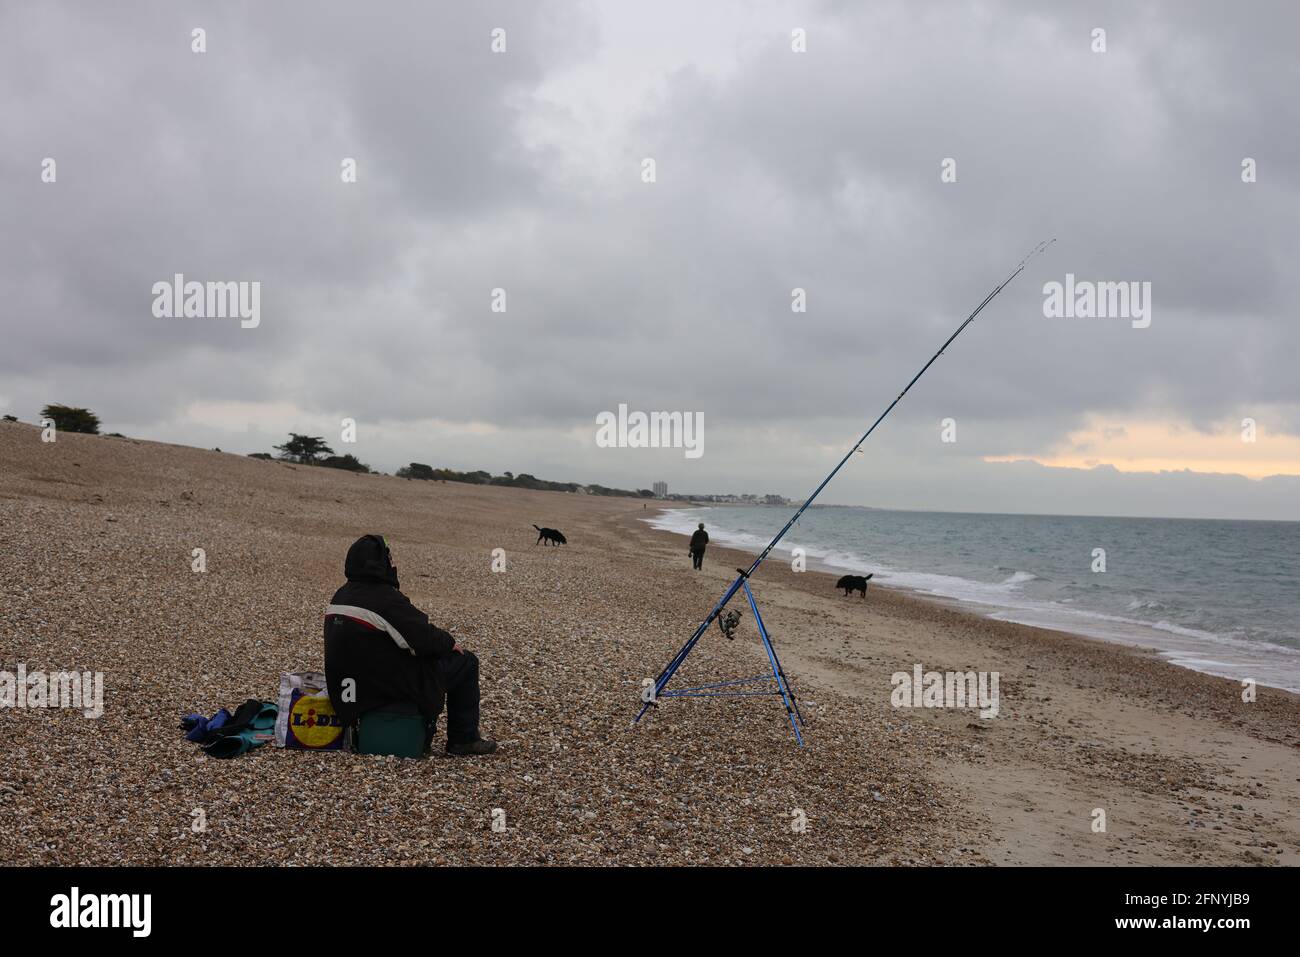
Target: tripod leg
784,681
789,688
777,675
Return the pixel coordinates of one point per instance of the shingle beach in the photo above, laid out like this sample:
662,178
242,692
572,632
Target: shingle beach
96,575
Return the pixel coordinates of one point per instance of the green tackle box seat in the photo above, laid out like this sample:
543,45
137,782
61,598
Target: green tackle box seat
399,730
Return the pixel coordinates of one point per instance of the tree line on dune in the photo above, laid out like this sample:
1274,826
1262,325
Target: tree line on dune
418,470
313,450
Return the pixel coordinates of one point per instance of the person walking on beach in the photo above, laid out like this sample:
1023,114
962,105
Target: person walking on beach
388,653
699,541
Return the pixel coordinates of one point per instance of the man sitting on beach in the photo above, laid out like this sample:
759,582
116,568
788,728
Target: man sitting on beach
388,653
699,541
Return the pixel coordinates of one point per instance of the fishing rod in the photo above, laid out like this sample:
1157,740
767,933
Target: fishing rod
744,574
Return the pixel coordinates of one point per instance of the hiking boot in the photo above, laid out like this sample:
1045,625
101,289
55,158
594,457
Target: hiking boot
481,746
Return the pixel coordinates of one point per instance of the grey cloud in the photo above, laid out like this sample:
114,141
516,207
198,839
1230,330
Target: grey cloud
818,170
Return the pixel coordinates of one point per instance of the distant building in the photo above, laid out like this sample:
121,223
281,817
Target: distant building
660,489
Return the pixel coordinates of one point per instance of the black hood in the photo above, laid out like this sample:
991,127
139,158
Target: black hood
369,561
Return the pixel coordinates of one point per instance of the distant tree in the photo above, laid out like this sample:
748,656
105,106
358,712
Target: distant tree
347,462
67,418
11,418
305,449
260,455
645,493
416,470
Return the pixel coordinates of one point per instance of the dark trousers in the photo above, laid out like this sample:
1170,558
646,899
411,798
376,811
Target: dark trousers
459,673
697,558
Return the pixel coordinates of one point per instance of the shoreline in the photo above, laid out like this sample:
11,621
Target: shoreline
818,571
1173,756
1176,646
819,584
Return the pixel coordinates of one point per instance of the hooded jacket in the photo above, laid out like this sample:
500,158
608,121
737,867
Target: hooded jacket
699,540
377,638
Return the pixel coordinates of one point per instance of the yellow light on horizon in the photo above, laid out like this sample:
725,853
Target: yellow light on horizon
1168,446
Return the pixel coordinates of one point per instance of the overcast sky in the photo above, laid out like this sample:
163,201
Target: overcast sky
774,169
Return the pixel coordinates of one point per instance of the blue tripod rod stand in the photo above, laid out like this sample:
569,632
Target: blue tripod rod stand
742,581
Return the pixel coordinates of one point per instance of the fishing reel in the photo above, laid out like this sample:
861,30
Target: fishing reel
727,624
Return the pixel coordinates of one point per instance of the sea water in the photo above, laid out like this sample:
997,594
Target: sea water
1222,597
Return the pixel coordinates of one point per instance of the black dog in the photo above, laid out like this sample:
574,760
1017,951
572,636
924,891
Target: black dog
550,536
852,583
